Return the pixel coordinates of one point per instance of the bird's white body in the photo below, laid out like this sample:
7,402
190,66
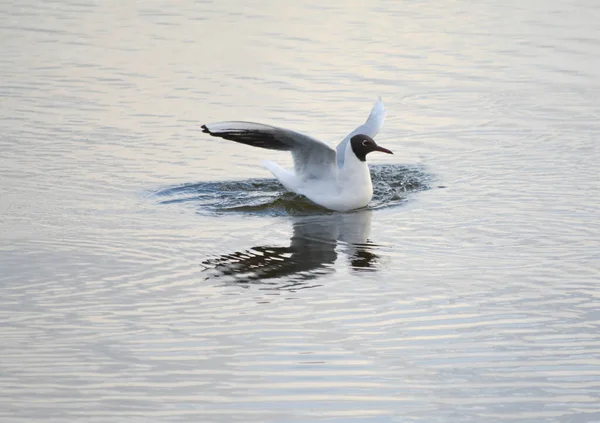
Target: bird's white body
335,179
341,189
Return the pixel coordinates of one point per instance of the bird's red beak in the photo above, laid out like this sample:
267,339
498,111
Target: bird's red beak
383,150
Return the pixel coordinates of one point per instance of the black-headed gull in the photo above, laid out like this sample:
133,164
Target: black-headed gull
338,179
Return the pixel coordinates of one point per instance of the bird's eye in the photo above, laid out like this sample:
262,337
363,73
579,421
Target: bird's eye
365,142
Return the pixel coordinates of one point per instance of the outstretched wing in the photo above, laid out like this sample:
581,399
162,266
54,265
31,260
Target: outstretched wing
371,127
312,158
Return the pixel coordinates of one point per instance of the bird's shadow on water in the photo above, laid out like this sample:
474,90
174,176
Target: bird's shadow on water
315,245
318,236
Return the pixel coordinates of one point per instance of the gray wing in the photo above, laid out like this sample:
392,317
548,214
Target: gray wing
312,158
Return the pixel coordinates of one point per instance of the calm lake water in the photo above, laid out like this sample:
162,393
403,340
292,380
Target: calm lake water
149,272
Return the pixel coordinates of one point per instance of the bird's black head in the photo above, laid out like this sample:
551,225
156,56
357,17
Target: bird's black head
363,145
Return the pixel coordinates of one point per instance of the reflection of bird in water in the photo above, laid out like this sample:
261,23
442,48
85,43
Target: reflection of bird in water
312,252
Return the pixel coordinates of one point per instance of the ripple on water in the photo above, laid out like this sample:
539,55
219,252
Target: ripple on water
392,184
319,237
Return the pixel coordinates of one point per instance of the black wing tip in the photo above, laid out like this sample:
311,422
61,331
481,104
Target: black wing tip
262,139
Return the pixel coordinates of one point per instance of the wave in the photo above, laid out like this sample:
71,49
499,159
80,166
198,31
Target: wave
392,185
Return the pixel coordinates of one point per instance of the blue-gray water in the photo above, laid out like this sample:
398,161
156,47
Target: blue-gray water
468,293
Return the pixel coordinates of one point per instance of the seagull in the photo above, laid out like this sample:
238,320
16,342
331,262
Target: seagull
337,180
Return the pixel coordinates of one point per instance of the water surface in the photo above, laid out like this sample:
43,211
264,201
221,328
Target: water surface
141,280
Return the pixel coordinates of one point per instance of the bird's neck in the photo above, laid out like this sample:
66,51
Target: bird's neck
355,169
